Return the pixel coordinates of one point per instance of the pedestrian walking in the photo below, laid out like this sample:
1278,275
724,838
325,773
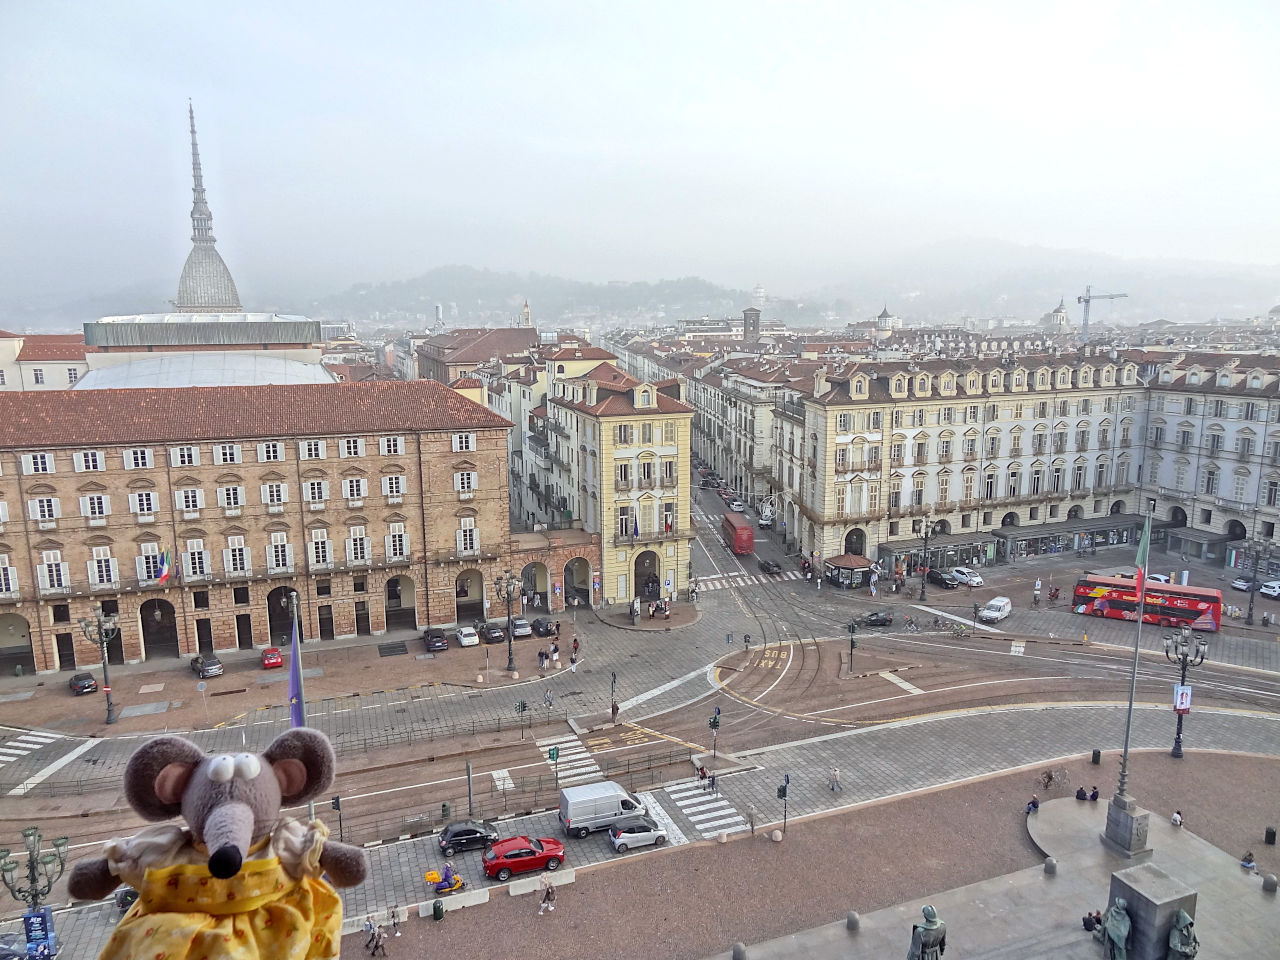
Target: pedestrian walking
395,919
751,817
711,783
613,711
557,629
379,942
555,652
666,612
370,930
548,896
575,646
573,664
537,600
833,781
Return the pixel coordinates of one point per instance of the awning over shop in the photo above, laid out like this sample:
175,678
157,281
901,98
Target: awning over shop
1201,536
1110,521
849,561
941,541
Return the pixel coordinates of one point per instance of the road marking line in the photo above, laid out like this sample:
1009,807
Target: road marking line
897,680
658,691
675,835
15,752
502,780
695,808
23,788
735,819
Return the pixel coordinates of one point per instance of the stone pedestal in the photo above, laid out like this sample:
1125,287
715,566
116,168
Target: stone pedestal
1154,899
1126,833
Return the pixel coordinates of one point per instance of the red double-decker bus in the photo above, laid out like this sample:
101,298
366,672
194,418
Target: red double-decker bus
1166,604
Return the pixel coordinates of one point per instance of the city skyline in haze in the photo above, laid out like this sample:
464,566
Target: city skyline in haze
741,143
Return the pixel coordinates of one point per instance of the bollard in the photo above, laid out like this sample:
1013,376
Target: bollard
1097,757
852,921
776,836
479,678
1269,883
437,910
1050,867
445,811
722,836
739,951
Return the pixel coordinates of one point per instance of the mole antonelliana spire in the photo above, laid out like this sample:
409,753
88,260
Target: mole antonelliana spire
205,285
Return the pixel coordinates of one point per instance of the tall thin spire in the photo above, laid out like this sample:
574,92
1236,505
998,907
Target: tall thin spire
201,217
205,285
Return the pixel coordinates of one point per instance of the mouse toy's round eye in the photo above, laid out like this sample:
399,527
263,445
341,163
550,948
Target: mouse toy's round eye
221,768
248,766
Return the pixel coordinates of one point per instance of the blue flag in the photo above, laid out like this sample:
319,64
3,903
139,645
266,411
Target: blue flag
297,706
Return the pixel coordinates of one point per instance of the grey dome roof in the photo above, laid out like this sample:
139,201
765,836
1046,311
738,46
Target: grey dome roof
206,285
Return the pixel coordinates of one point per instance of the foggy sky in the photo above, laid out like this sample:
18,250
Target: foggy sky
743,143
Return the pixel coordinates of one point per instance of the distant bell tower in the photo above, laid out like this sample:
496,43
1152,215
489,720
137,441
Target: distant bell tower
751,324
526,315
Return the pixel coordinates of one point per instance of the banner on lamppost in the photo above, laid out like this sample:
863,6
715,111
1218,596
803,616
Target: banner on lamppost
1182,698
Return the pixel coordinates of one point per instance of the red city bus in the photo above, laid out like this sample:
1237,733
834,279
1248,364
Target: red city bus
1167,604
738,536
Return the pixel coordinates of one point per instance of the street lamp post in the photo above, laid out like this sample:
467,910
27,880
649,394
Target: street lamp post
1258,553
927,530
1186,651
43,869
101,630
507,586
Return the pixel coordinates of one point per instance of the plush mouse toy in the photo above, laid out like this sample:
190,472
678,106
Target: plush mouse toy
239,880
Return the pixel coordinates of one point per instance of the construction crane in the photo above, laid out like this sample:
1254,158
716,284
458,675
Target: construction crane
1088,298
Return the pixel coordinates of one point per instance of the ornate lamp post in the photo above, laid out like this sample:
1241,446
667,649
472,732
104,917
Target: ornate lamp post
926,528
101,630
1259,552
43,869
1186,651
507,587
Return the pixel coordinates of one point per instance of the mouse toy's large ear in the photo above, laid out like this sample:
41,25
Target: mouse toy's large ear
157,775
304,763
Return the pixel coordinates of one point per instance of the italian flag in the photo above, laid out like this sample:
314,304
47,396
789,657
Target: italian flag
165,569
1144,548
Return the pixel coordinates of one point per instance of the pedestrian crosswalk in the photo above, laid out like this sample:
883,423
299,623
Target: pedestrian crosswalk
18,745
574,763
745,579
709,812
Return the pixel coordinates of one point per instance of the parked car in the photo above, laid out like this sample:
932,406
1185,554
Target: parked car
942,578
768,566
636,832
521,854
206,666
542,627
1247,584
493,633
968,576
83,683
520,628
467,835
435,639
737,506
271,658
467,637
1158,577
1270,589
877,618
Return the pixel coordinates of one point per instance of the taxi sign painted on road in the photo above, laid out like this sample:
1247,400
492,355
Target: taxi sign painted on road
201,687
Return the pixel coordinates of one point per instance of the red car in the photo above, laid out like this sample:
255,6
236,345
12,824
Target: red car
519,854
271,658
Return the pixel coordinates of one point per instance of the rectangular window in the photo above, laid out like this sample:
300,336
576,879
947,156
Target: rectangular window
102,568
463,442
139,458
393,486
466,535
281,554
622,434
397,542
312,450
391,446
466,481
355,488
37,375
646,433
842,458
989,486
875,420
1077,477
197,558
873,498
8,576
971,413
89,461
669,432
320,547
52,571
227,453
1273,493
352,447
189,498
357,545
271,452
231,497
944,488
142,502
95,505
626,521
236,556
917,491
37,463
944,449
316,491
843,422
1086,405
45,508
186,456
969,479
1211,482
1037,481
149,561
274,494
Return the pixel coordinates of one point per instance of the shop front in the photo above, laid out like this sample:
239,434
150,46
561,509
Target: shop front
945,550
1090,534
847,570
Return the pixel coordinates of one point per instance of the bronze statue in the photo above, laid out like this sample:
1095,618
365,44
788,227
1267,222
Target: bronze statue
1116,929
1183,942
928,939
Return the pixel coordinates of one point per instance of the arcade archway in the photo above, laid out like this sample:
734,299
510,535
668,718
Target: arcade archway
1178,516
1010,519
398,604
468,596
536,581
577,581
1075,513
648,575
855,542
1117,507
16,649
1236,530
159,629
280,618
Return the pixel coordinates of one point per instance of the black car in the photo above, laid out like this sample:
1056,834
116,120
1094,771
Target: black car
206,666
492,633
467,835
768,566
83,683
542,627
435,639
878,618
942,578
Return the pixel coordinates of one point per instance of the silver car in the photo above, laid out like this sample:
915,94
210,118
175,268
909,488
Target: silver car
520,628
967,575
636,832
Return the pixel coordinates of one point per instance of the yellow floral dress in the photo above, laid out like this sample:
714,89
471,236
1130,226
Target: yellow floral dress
278,907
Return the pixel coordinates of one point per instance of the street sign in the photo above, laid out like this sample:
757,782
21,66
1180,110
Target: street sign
201,687
717,711
728,638
1182,698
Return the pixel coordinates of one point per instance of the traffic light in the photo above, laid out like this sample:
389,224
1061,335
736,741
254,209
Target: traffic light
553,754
336,802
521,706
714,723
782,792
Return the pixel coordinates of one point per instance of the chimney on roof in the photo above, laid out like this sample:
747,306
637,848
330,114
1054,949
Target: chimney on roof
592,393
820,381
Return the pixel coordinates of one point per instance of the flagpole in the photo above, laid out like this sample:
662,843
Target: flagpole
297,691
1137,643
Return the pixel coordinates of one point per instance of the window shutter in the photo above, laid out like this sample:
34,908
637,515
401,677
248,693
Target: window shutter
284,493
457,481
84,506
262,453
265,492
324,489
351,551
200,498
222,496
386,486
177,499
33,509
186,563
93,571
26,462
140,565
77,459
42,575
115,570
106,504
458,534
226,560
248,558
57,508
173,457
360,446
475,481
386,547
288,554
324,449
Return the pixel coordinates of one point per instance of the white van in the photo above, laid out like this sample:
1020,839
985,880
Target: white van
997,608
594,806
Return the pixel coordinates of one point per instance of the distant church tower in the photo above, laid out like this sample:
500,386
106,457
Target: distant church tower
758,297
885,323
526,315
751,324
1057,320
205,285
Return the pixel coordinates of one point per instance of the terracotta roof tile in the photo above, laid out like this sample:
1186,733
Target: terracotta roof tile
53,347
582,353
150,415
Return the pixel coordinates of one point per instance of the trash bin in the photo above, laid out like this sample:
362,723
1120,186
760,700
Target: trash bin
1097,757
1270,837
437,910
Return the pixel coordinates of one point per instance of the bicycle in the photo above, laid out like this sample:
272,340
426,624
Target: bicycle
911,625
1054,778
959,631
